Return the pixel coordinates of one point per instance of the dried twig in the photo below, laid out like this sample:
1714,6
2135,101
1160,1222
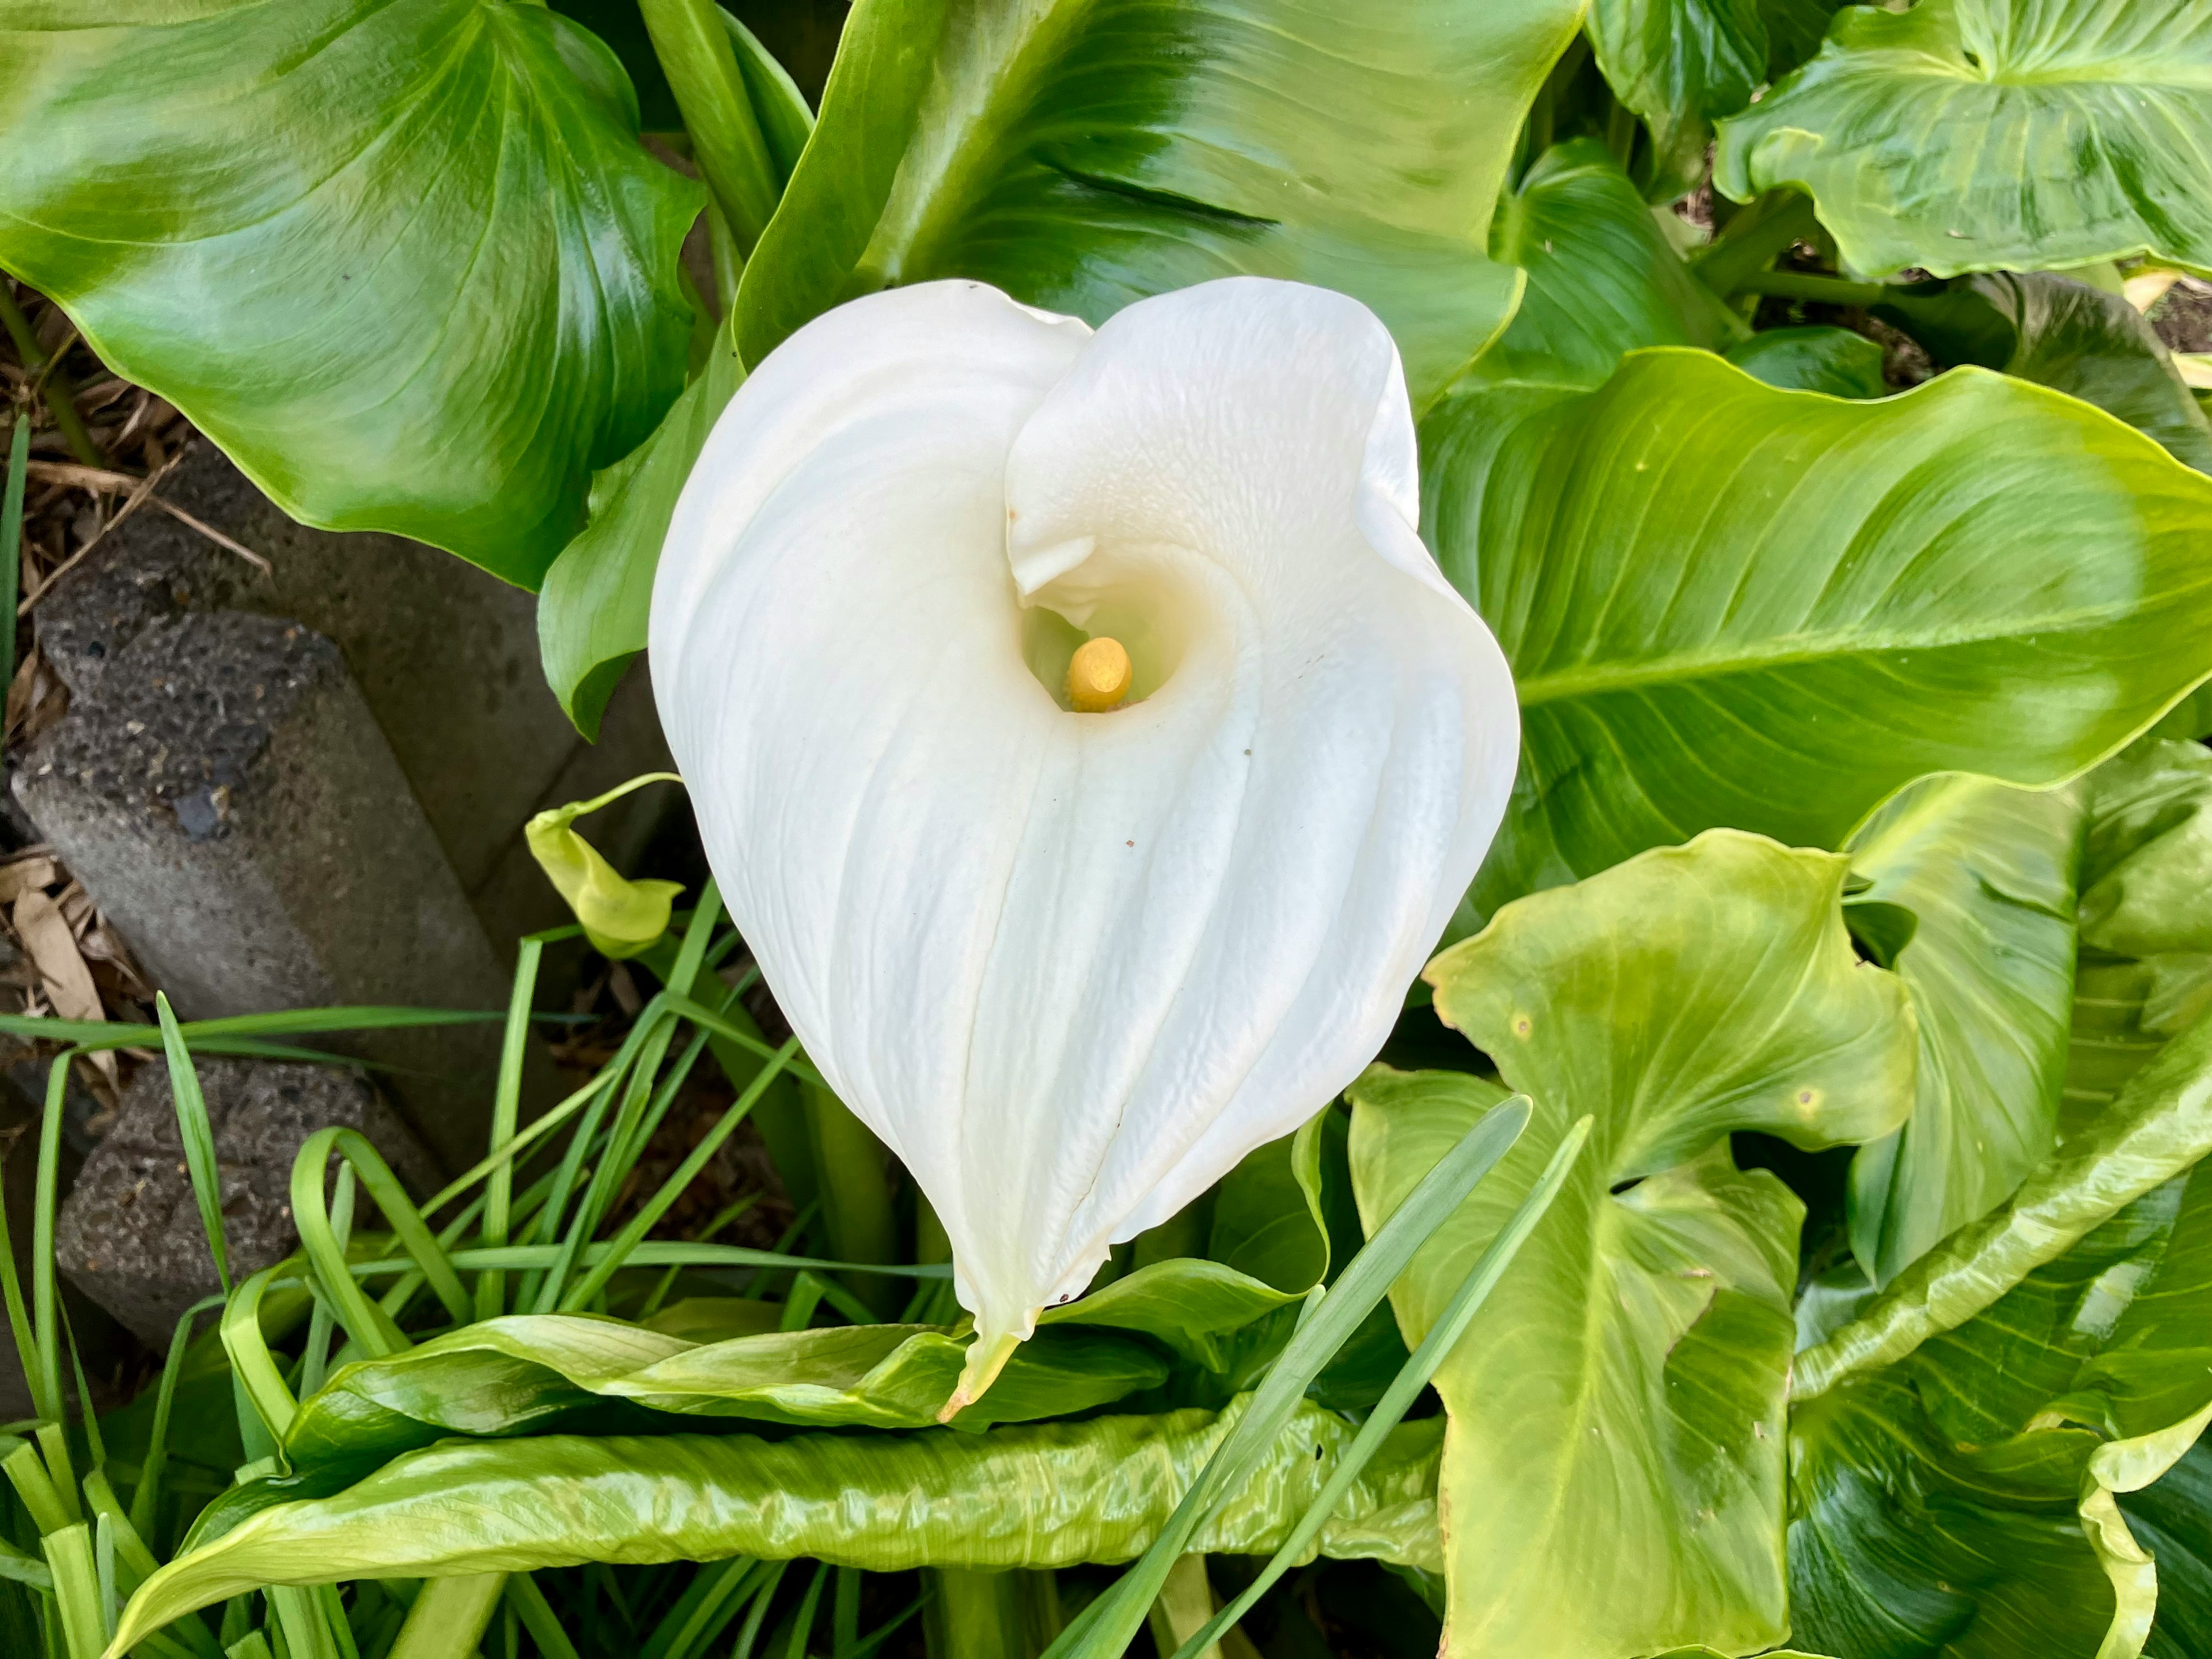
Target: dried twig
71,473
215,535
137,500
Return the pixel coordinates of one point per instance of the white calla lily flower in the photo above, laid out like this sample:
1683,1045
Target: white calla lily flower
1074,933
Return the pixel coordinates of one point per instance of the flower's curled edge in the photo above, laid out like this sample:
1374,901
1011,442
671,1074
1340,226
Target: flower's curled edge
1073,966
621,917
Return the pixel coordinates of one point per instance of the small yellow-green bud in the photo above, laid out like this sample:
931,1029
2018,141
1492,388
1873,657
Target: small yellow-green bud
621,917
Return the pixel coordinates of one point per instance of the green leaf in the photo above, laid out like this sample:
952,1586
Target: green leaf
1626,1381
1267,1219
535,1373
597,596
1728,604
2146,964
2064,334
1678,63
1082,156
1987,872
1269,1245
1906,1545
1992,135
2159,1124
448,293
1817,359
1603,279
1049,1495
2173,1519
1975,1440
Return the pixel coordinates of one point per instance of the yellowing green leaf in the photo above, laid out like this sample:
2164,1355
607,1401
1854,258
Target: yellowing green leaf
1624,1381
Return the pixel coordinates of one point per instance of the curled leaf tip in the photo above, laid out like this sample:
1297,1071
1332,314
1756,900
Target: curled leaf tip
986,1357
621,917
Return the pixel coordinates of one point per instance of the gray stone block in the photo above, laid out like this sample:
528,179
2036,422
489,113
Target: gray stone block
446,657
129,1234
226,796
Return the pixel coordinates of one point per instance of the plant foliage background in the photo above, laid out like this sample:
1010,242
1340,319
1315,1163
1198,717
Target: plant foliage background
1789,411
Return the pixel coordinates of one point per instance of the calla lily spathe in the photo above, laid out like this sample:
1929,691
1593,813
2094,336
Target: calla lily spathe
1073,966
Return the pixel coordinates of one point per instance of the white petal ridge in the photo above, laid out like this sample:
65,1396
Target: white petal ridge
1072,967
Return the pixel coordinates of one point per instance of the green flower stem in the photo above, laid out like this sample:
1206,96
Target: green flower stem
693,44
449,1617
855,1193
1184,1605
1797,285
1753,240
61,399
973,1614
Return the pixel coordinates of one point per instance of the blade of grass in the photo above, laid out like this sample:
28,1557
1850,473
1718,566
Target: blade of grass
757,1615
649,1214
499,1192
20,1326
708,1019
803,1626
537,1129
606,1179
145,1502
728,1213
11,533
1406,1388
261,1381
711,1602
365,1322
1108,1625
198,1137
539,1618
44,1328
285,1021
652,1253
315,1359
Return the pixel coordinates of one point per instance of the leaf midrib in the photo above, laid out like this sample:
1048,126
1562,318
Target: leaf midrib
1593,679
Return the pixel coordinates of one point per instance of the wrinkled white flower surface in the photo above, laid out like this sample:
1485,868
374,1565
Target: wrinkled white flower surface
1073,966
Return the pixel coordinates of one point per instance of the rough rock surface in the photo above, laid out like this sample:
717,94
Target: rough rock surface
226,796
129,1234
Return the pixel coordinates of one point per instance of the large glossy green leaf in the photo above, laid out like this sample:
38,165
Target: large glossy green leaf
1985,874
1992,135
1045,1496
2062,333
1934,1500
1730,605
407,264
1082,154
1906,1545
1614,1465
593,610
1602,277
2146,966
2159,1125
